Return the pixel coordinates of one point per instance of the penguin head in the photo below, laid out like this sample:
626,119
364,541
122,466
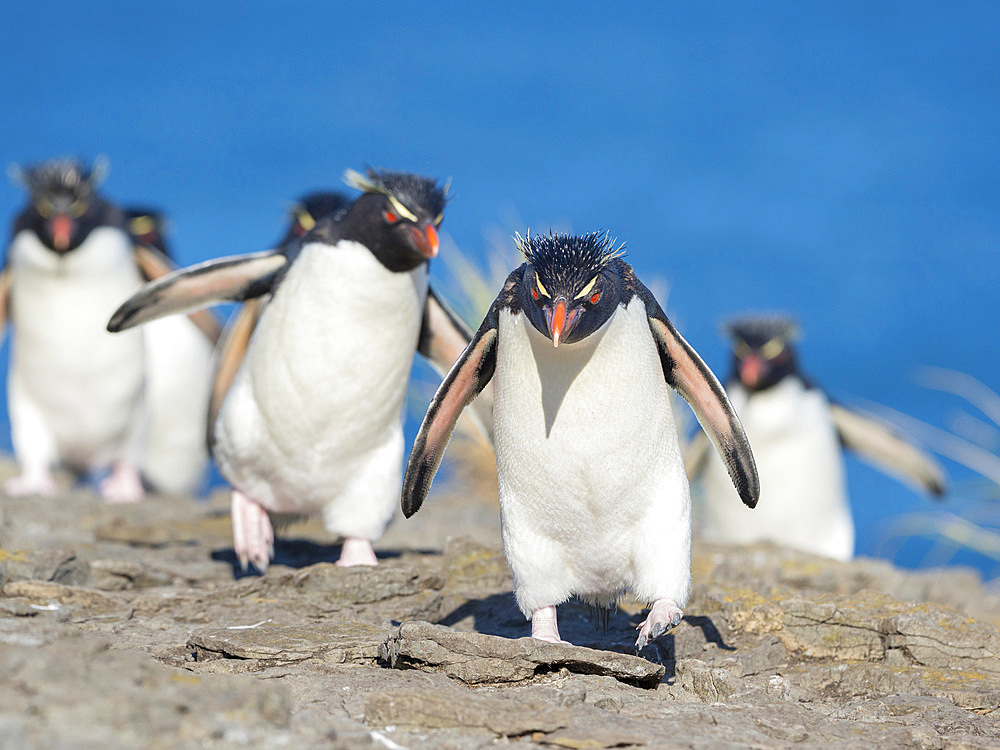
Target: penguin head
311,209
149,226
398,215
762,349
64,204
570,287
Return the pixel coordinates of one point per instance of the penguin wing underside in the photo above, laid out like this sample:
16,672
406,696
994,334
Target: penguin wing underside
231,352
153,264
888,450
235,279
464,382
685,371
443,338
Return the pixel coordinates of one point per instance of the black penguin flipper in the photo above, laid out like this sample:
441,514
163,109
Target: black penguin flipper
155,264
688,374
887,449
443,339
466,379
233,279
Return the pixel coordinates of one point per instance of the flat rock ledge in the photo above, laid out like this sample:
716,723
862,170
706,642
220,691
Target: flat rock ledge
133,628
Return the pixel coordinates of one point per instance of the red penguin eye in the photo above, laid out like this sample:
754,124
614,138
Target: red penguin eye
595,297
390,217
534,293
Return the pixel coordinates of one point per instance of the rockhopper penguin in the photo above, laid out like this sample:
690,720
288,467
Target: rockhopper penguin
593,496
797,434
313,419
78,396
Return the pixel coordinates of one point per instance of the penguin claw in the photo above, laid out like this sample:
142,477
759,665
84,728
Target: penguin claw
664,615
253,534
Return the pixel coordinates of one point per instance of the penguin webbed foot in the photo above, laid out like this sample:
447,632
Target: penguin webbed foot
544,626
30,482
664,615
253,534
123,485
356,551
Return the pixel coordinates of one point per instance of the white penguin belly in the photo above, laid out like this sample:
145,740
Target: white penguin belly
84,383
314,418
594,500
803,502
179,365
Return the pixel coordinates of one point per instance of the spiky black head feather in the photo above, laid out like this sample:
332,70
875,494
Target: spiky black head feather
64,203
762,349
760,328
61,177
568,262
421,195
572,284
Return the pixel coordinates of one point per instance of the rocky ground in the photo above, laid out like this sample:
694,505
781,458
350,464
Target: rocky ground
130,626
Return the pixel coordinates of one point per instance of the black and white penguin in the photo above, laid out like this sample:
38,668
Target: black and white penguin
593,496
78,396
797,434
312,422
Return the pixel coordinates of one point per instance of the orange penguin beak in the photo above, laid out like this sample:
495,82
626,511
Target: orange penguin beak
62,231
560,320
750,370
426,241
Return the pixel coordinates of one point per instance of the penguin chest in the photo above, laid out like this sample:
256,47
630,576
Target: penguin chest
86,381
585,437
322,387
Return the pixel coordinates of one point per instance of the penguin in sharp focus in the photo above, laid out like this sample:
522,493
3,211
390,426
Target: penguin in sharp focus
76,394
593,496
312,422
798,435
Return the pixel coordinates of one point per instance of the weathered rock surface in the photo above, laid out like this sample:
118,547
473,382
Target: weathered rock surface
129,627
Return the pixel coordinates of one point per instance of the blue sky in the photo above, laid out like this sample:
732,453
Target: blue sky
840,161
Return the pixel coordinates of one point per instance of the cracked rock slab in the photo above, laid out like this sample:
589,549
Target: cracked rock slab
258,648
936,638
476,658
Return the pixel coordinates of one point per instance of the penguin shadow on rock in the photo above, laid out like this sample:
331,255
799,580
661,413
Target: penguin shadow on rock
605,629
306,412
798,434
131,408
593,498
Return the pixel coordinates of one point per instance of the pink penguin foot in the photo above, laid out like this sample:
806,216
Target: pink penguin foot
123,485
664,615
356,551
31,482
544,626
253,535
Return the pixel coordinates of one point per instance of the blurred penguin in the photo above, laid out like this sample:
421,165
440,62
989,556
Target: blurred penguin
797,434
76,394
179,367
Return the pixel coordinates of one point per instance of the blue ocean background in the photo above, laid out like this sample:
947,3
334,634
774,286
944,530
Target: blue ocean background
839,161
